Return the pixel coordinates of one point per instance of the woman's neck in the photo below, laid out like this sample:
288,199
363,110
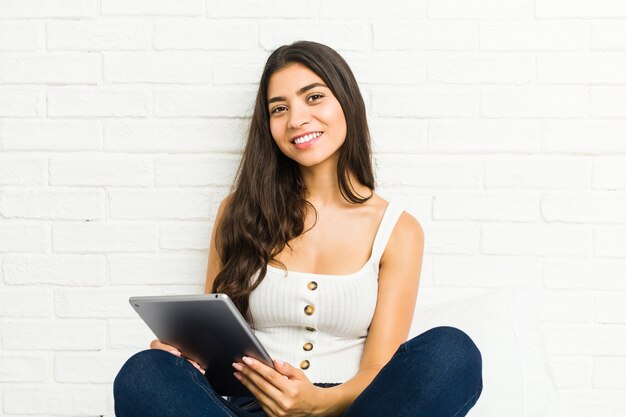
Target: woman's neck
322,185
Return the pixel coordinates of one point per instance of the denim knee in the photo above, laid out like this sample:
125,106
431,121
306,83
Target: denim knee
453,349
437,373
139,367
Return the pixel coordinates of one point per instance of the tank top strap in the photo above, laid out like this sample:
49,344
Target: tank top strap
388,222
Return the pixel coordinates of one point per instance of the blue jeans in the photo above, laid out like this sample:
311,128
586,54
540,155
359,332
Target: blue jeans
435,374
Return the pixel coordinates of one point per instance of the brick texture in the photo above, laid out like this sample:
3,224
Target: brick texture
500,124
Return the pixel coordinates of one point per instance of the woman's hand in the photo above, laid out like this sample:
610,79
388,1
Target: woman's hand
283,391
157,344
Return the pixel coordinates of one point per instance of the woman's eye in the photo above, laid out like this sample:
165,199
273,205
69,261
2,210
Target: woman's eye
278,109
316,96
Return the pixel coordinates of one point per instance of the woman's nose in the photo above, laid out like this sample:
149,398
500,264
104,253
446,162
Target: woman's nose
298,115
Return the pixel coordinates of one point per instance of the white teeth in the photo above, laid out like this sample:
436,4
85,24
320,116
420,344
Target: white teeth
307,138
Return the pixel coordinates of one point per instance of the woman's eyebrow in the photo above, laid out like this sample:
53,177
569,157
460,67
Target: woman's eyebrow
299,92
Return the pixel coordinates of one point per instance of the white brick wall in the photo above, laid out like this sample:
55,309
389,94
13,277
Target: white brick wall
500,123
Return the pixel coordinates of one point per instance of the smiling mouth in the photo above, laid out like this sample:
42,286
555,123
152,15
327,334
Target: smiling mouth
307,138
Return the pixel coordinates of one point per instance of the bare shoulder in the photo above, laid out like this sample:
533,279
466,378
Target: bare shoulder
376,206
225,202
408,228
214,261
223,206
406,240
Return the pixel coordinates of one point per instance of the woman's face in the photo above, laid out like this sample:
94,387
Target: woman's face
306,120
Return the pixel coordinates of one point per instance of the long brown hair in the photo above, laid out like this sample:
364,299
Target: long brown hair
267,205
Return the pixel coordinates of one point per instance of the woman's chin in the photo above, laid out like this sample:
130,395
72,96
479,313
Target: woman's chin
318,161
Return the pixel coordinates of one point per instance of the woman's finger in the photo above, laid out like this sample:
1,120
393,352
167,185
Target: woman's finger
267,402
266,373
157,344
198,367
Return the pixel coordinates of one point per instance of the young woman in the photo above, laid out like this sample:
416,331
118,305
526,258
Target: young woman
325,270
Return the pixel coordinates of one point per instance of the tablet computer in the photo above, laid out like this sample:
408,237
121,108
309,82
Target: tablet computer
206,328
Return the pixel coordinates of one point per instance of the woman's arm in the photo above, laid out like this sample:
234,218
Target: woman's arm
215,265
212,271
398,282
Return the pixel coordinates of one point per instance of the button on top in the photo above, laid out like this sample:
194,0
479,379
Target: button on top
308,346
309,310
312,285
305,364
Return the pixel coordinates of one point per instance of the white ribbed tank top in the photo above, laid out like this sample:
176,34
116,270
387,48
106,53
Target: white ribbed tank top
319,322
